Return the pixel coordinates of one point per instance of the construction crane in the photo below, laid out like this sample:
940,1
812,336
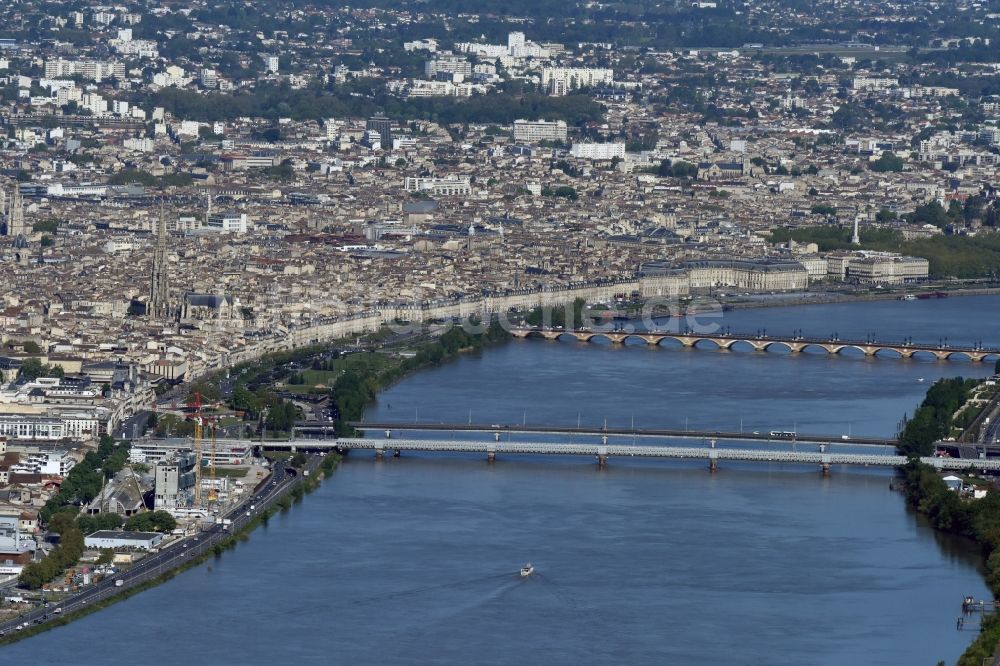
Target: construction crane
213,493
197,449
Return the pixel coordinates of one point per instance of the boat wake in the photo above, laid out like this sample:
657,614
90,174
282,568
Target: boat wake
426,589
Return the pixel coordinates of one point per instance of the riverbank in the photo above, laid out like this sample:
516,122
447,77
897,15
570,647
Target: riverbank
978,520
358,383
947,511
823,298
710,303
194,550
363,378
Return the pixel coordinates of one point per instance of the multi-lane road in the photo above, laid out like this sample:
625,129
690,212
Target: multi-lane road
279,483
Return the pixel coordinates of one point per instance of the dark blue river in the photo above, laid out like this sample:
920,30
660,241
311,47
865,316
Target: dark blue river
414,560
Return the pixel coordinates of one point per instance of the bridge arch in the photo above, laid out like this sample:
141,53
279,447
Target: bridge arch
767,346
708,343
963,355
857,348
608,337
741,345
816,348
924,355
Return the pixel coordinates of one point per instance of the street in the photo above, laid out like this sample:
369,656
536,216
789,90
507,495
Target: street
281,481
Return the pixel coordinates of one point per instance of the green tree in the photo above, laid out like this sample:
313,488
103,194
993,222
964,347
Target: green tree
45,226
151,521
887,162
65,555
33,368
933,419
929,213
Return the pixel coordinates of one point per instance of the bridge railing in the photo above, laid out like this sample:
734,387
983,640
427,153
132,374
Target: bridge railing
670,452
737,337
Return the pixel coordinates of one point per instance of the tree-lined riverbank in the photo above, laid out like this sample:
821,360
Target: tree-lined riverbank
946,509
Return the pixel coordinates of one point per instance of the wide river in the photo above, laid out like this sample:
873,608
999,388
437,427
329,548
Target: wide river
414,560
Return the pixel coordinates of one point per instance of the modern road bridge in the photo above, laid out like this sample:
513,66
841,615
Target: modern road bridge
762,342
499,429
825,459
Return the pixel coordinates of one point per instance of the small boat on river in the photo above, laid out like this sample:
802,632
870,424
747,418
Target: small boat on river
527,570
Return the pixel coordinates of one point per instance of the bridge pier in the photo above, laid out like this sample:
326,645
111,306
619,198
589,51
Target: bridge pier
491,456
602,461
825,469
761,342
713,459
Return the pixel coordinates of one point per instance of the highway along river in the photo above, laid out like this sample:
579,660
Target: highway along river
415,560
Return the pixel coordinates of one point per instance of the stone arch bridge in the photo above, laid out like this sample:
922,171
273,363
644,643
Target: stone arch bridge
793,344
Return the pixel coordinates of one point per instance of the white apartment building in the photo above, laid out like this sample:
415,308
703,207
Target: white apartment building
138,144
184,223
228,222
873,83
422,88
97,104
55,463
124,244
421,45
598,151
531,131
561,80
89,69
447,186
485,51
452,64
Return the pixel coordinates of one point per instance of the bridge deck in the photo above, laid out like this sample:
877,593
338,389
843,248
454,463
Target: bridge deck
604,451
760,341
803,438
667,452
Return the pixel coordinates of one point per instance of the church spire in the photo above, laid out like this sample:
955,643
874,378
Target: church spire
159,291
15,214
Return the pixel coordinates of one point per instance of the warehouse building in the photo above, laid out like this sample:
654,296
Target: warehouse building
115,539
